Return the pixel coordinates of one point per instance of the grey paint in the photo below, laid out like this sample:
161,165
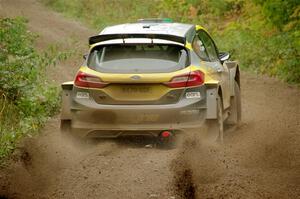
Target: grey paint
177,29
211,102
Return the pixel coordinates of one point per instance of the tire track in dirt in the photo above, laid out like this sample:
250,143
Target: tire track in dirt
49,167
259,160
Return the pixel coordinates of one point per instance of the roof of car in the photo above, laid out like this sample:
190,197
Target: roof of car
176,29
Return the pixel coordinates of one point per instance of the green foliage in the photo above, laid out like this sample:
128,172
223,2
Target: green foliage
264,35
197,11
26,98
279,12
275,55
101,13
261,46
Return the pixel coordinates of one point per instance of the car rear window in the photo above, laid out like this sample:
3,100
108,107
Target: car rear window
138,58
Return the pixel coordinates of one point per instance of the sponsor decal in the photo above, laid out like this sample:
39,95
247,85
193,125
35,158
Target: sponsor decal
82,95
192,95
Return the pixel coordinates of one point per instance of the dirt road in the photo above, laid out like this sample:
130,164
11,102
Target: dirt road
259,160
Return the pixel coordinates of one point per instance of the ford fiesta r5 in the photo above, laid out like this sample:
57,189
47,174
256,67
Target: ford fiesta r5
152,78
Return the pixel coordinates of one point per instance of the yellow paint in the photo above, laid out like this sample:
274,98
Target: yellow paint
93,45
126,78
188,46
149,87
148,77
198,27
209,79
136,92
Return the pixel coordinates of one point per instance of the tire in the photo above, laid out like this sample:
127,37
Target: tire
215,127
235,107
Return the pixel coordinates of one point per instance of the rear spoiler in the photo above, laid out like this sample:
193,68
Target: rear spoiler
100,38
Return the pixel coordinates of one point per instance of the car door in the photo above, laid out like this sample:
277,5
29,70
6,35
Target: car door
208,52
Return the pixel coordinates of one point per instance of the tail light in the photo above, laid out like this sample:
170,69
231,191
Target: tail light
194,78
88,81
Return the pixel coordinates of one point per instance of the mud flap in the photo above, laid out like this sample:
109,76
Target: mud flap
66,101
232,66
211,103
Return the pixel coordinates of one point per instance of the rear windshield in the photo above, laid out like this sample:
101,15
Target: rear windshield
138,58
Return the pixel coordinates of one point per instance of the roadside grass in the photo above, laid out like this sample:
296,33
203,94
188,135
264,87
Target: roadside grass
101,13
262,35
27,98
9,118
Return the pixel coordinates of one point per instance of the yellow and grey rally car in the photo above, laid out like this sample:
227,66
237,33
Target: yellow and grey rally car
152,77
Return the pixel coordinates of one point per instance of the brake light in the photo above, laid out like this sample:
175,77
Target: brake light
194,78
88,81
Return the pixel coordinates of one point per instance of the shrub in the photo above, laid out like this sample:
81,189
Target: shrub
279,12
262,34
26,97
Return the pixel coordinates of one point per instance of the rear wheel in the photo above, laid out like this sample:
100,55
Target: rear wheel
215,127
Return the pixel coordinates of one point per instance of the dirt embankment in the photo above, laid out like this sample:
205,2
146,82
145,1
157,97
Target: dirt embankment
259,160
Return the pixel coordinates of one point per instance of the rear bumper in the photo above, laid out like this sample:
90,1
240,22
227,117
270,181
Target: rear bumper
90,119
112,124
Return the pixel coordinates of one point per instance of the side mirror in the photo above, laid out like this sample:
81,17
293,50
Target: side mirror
85,56
224,56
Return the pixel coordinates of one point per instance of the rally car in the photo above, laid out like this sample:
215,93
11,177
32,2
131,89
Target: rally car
153,77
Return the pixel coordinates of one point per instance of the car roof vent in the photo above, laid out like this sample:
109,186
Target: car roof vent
155,20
